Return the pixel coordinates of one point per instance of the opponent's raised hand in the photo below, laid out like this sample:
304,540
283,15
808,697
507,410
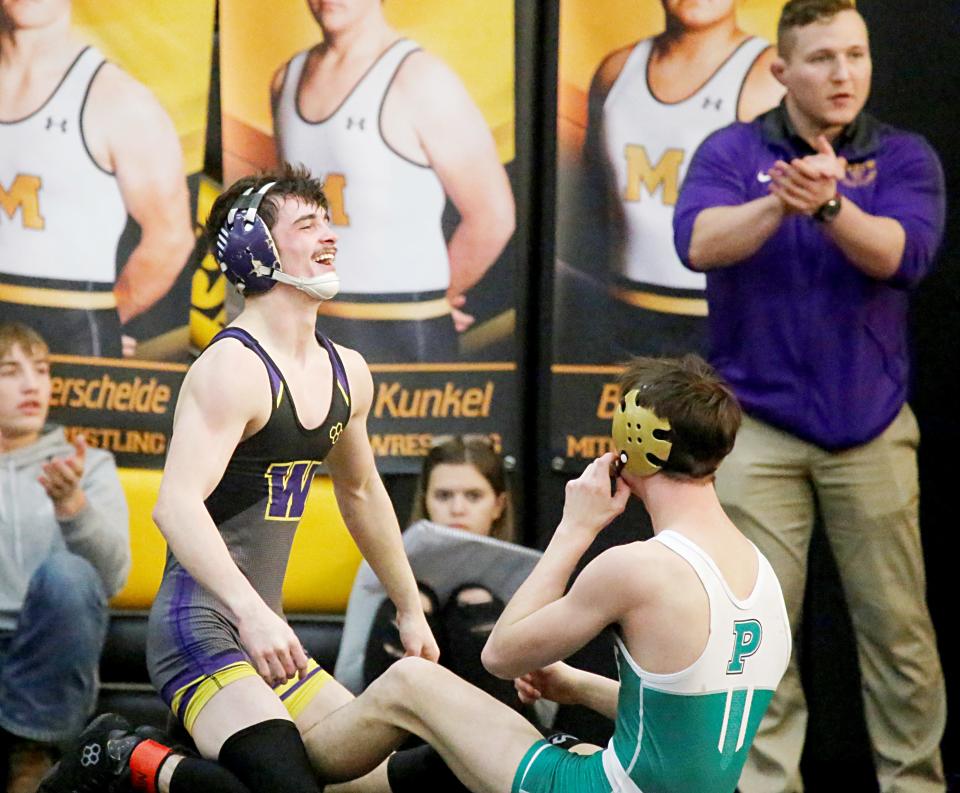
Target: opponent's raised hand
588,503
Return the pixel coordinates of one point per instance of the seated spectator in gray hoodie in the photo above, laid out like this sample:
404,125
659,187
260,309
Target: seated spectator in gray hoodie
64,549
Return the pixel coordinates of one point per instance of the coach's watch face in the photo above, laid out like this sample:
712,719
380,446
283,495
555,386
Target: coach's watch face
829,210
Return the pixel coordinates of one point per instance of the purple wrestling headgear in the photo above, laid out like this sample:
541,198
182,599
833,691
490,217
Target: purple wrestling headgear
248,255
245,249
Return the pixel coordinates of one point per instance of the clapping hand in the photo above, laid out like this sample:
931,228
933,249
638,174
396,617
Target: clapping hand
805,184
61,479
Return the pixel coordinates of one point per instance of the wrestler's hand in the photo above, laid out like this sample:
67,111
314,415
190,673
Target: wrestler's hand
588,503
416,636
273,647
61,480
556,682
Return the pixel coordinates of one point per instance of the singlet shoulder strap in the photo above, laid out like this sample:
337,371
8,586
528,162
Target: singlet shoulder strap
291,76
741,59
276,378
634,70
708,571
78,73
372,87
339,371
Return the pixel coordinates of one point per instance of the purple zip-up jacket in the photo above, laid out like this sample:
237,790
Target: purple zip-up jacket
808,342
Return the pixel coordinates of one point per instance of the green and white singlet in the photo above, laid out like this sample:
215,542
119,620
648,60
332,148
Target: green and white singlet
689,730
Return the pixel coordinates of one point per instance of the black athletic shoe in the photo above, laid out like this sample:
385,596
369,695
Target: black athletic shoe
97,762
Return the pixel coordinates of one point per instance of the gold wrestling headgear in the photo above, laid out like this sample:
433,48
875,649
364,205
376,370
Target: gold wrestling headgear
633,433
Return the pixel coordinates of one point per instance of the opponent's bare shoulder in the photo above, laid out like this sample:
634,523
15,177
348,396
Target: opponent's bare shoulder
642,570
761,90
626,577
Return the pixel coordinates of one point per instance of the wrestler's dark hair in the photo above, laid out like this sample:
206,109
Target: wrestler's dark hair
290,180
800,13
475,450
704,414
16,334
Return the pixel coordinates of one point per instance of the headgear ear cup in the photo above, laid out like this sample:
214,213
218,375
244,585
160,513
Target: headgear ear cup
245,248
634,426
248,255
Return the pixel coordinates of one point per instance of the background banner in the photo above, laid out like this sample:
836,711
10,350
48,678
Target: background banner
419,189
622,151
120,406
99,180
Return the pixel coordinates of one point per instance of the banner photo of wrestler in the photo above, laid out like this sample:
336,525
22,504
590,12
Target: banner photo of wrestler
634,103
99,171
406,112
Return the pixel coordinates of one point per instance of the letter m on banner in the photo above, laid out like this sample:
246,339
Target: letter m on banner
24,194
289,484
747,635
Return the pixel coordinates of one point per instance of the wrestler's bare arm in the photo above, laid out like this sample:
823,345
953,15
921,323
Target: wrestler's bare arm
460,148
536,633
210,420
567,685
541,624
761,90
368,512
131,135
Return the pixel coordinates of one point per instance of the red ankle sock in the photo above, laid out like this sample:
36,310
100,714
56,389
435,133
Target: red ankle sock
145,762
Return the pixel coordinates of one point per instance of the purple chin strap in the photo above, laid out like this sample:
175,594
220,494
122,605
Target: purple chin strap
245,249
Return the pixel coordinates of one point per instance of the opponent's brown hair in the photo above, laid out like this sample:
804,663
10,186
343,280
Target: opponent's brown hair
704,414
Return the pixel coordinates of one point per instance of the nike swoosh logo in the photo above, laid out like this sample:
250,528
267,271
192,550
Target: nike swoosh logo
763,177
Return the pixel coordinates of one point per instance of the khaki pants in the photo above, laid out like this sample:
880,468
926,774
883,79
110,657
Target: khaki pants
771,486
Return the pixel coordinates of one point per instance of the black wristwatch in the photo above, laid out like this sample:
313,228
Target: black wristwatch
827,213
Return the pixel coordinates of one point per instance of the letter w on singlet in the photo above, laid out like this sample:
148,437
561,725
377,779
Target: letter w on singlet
289,484
747,635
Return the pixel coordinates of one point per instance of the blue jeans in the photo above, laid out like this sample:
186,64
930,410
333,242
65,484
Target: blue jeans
48,663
